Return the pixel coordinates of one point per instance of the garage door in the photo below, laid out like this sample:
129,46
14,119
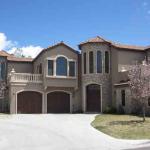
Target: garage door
93,96
58,102
29,102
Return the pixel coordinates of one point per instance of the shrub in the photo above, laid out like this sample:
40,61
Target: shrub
110,110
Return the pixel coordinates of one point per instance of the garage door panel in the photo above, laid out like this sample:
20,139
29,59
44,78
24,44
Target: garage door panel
58,102
29,102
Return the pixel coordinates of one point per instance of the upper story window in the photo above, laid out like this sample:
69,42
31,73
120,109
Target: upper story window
84,65
61,66
91,62
99,62
123,97
50,67
2,70
106,62
71,68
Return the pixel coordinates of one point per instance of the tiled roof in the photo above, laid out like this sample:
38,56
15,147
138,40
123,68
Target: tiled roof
98,39
19,59
4,53
11,57
132,47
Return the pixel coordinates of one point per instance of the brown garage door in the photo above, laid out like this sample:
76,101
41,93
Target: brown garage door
93,96
58,102
29,102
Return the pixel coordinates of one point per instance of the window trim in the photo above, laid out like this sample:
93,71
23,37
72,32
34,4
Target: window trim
54,67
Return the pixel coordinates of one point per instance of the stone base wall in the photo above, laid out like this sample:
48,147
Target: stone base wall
104,81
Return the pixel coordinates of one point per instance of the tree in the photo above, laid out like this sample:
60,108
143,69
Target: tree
18,52
139,82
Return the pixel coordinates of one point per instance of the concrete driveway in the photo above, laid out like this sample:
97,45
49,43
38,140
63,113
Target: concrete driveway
58,132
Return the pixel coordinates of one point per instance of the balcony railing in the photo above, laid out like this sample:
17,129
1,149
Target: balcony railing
25,77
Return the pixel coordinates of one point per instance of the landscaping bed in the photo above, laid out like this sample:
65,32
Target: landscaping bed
123,126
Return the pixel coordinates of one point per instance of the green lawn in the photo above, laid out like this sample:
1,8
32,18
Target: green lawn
123,126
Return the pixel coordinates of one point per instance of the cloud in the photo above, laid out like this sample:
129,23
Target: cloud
27,51
11,46
4,43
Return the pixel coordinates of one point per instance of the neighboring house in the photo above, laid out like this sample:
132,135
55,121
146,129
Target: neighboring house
63,80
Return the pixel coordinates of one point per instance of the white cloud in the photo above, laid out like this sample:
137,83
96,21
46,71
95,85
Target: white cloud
11,46
27,51
4,43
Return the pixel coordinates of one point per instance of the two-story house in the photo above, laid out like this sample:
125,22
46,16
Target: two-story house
63,80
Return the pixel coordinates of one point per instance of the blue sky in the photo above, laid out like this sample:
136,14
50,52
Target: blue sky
41,23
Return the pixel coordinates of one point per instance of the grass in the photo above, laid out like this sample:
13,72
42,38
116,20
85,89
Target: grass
123,126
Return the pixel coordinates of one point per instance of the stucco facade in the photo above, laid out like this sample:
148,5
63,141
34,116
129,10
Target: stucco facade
100,89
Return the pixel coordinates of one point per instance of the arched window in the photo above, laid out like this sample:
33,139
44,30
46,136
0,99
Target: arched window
99,62
61,66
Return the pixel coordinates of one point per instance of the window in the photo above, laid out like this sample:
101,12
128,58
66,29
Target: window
71,68
99,62
2,70
61,66
84,55
106,62
123,97
40,69
91,67
50,67
149,101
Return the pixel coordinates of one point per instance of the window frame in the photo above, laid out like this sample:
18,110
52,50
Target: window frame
55,65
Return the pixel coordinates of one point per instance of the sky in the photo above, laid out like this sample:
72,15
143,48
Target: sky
36,24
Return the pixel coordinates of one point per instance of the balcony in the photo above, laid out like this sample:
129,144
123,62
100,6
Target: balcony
25,77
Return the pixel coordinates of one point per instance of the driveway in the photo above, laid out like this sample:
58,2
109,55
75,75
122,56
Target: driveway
58,132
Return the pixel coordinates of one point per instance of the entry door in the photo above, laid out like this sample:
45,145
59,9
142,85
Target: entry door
93,98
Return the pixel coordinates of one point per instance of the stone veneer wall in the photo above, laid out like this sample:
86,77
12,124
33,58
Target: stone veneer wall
103,79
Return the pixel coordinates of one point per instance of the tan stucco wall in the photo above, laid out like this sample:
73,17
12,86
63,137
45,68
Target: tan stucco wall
20,67
127,58
53,53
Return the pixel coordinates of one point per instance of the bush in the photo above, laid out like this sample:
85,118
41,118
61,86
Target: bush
110,110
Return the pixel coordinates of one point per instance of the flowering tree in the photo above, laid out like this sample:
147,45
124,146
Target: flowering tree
139,82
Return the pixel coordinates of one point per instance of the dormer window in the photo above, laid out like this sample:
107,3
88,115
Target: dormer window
61,66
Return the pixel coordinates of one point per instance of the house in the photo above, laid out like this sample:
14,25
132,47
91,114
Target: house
63,80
